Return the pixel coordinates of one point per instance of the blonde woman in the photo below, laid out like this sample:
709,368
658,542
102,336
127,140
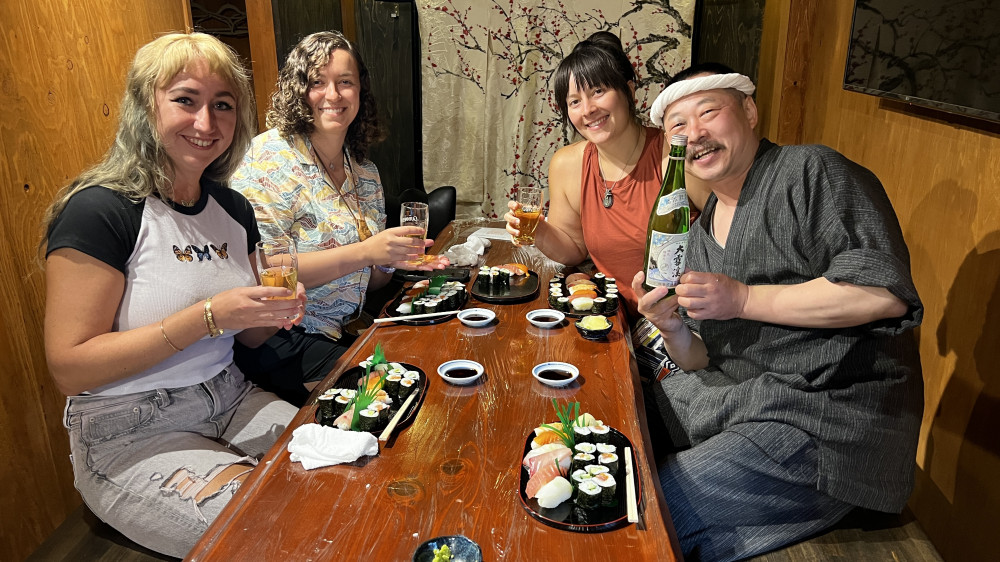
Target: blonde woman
150,278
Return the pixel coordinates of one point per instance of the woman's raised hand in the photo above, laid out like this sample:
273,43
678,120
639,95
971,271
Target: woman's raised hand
257,307
513,223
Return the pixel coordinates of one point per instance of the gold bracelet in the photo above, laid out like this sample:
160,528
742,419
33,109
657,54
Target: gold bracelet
213,331
166,339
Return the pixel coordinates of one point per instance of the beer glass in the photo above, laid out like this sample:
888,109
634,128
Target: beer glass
415,214
278,264
529,211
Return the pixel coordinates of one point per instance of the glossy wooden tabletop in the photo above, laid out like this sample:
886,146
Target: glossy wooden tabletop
456,469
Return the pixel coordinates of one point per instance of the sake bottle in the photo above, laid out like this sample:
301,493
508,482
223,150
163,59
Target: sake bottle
667,235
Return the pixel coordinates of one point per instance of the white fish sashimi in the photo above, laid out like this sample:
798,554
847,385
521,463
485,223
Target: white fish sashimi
540,451
554,493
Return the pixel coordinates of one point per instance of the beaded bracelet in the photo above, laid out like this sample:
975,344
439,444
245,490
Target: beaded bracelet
166,339
213,330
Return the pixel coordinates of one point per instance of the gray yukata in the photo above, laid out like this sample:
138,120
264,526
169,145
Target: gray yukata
856,394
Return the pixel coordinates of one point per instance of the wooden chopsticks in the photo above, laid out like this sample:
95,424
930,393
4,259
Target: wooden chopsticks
415,316
632,506
387,432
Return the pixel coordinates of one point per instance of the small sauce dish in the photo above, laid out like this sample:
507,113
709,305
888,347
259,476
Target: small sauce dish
476,317
460,371
545,317
555,373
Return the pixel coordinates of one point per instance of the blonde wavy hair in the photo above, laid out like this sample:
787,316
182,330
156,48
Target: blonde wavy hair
137,165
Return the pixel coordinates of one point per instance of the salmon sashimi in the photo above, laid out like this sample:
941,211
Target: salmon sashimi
561,455
543,476
544,438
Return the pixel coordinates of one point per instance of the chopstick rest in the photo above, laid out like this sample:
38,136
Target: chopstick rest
632,504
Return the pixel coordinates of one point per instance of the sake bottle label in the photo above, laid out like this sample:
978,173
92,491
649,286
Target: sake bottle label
666,259
671,202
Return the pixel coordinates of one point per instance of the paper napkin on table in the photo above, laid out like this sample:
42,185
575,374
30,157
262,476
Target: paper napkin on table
467,253
315,445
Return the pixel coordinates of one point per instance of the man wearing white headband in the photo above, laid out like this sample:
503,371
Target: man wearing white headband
800,394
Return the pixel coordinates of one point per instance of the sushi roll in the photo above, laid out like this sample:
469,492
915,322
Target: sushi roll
600,432
612,305
349,393
582,434
562,304
406,386
609,460
554,300
483,282
412,375
392,383
580,476
600,280
581,460
431,306
418,306
600,305
606,448
383,411
341,402
325,408
595,469
368,420
608,488
586,448
589,495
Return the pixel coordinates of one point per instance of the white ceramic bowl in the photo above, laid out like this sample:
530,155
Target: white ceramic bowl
467,315
567,368
460,364
535,317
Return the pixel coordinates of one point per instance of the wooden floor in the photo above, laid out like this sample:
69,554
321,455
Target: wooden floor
861,537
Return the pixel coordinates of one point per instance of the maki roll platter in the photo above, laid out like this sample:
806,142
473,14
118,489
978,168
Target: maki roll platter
598,501
403,379
578,294
505,284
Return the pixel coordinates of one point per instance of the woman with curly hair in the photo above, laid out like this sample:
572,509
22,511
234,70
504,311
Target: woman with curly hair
150,276
309,178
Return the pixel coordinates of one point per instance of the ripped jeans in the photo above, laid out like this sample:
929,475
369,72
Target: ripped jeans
160,465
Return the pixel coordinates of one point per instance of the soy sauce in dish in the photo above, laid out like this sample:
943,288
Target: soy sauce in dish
474,318
544,318
460,373
555,375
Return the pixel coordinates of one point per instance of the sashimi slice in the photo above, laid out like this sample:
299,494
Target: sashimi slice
545,438
555,492
543,476
563,456
344,420
540,451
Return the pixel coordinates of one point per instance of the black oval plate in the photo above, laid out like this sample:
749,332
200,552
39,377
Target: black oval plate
462,549
350,377
391,311
567,516
523,288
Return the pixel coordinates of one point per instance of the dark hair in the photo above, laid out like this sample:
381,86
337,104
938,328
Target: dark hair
290,112
701,68
598,60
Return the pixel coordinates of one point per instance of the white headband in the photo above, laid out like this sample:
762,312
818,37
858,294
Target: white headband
678,90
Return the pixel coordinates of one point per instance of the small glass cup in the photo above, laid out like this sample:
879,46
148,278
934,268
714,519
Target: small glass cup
278,264
415,214
528,213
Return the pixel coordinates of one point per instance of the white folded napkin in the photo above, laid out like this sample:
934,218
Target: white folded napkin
315,445
467,253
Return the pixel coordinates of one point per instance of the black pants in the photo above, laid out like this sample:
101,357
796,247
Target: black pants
288,360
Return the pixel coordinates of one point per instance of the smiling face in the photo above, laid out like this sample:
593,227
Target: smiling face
335,94
721,141
195,118
599,113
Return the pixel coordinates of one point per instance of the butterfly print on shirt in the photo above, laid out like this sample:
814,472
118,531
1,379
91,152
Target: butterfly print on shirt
183,255
202,253
223,251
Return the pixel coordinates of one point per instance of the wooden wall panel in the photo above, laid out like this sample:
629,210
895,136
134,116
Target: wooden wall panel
941,173
62,68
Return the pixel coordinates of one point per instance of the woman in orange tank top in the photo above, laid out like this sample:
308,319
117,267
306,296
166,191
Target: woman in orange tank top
602,188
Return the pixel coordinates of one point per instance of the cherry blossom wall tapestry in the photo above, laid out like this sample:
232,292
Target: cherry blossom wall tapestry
490,121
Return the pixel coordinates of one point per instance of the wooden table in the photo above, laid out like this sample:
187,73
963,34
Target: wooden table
456,469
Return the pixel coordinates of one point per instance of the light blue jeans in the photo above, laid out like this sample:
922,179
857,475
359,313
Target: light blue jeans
160,465
746,491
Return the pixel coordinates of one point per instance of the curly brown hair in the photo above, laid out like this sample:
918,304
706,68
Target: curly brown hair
290,112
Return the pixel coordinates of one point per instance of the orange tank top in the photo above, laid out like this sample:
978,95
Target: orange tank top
616,237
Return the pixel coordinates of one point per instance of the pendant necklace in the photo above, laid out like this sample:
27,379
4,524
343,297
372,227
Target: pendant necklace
363,231
609,198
